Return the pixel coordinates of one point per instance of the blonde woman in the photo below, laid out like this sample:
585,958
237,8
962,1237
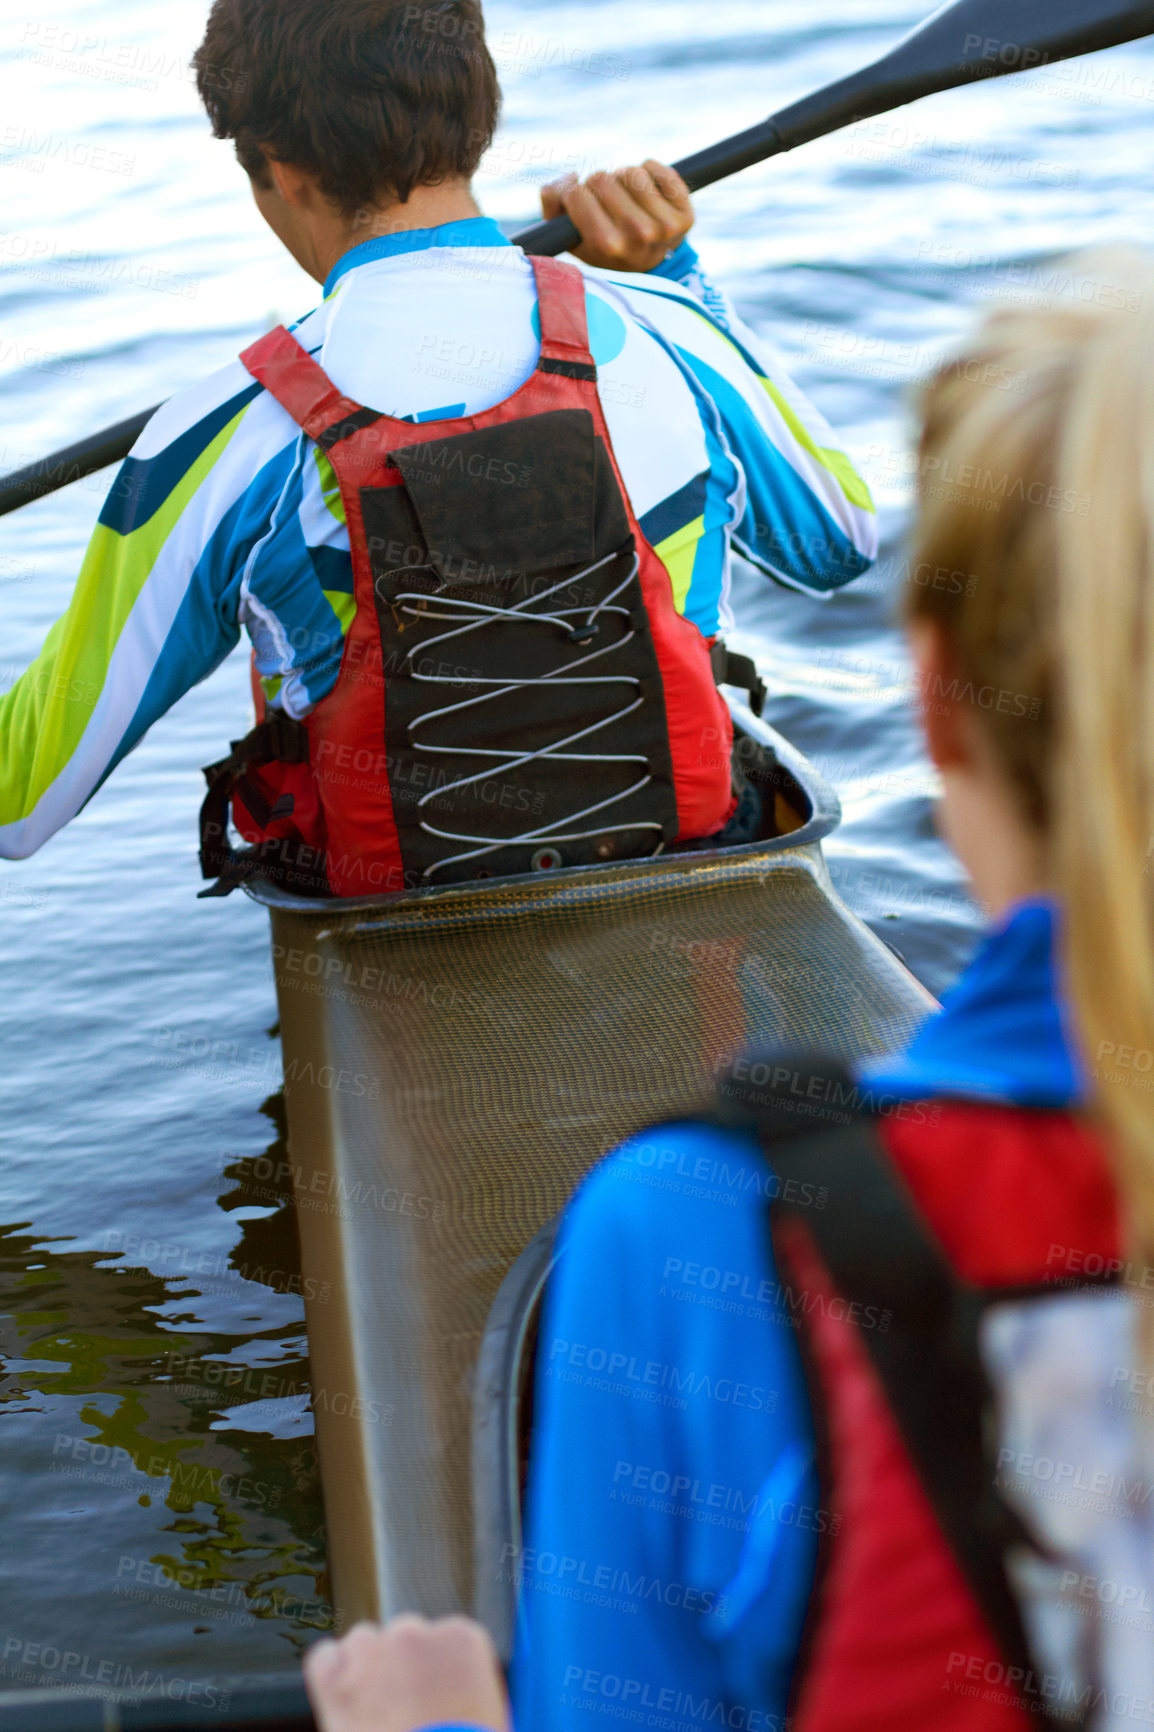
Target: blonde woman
978,1552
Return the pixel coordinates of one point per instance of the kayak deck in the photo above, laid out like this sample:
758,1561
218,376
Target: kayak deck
455,1061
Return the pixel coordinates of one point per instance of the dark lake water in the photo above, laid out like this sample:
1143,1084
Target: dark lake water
160,1505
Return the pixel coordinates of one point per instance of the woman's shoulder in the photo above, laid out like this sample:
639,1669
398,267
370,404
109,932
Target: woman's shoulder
1009,1192
684,1172
671,1231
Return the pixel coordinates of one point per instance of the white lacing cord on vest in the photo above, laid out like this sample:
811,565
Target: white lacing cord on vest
475,615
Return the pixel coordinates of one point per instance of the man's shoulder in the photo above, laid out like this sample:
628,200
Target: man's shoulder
650,298
691,329
225,426
227,388
201,412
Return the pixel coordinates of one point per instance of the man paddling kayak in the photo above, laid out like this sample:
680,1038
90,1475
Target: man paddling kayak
592,448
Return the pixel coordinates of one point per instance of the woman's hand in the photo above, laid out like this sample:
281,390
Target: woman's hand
628,220
408,1674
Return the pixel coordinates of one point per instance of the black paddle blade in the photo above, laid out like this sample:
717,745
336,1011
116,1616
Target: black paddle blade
962,42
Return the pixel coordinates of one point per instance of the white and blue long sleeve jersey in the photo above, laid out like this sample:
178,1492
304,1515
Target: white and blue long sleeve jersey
227,517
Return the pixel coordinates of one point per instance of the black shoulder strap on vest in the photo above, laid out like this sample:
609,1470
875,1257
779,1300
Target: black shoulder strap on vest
917,1318
277,739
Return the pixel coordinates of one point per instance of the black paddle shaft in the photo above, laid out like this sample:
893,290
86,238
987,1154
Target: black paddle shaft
963,41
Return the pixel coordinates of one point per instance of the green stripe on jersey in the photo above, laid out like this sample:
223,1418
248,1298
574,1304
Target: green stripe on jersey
677,554
343,605
330,486
835,462
838,464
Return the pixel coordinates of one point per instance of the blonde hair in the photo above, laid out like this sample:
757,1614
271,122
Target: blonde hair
1037,503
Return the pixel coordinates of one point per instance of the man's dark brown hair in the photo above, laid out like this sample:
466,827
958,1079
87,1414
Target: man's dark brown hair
373,97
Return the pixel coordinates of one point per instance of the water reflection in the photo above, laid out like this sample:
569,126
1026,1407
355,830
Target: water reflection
206,1436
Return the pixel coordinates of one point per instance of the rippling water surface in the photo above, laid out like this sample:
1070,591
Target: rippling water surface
160,1500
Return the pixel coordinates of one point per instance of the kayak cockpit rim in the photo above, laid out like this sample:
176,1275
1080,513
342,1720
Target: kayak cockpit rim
823,818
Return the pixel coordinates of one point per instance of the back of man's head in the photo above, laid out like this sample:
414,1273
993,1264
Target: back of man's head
372,97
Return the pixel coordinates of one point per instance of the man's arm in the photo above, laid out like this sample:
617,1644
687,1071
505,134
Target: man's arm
807,518
156,605
803,513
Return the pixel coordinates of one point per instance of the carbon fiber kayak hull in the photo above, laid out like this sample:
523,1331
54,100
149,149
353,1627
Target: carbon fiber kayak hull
457,1059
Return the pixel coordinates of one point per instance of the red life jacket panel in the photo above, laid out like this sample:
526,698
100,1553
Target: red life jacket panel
517,688
896,1635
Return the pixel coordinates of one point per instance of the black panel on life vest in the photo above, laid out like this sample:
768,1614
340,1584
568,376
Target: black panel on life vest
512,499
462,534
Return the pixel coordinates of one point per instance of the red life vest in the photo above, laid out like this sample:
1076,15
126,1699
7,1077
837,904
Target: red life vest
897,1637
516,673
927,1216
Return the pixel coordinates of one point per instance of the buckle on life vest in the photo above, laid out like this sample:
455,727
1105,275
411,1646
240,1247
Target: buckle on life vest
279,738
740,671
